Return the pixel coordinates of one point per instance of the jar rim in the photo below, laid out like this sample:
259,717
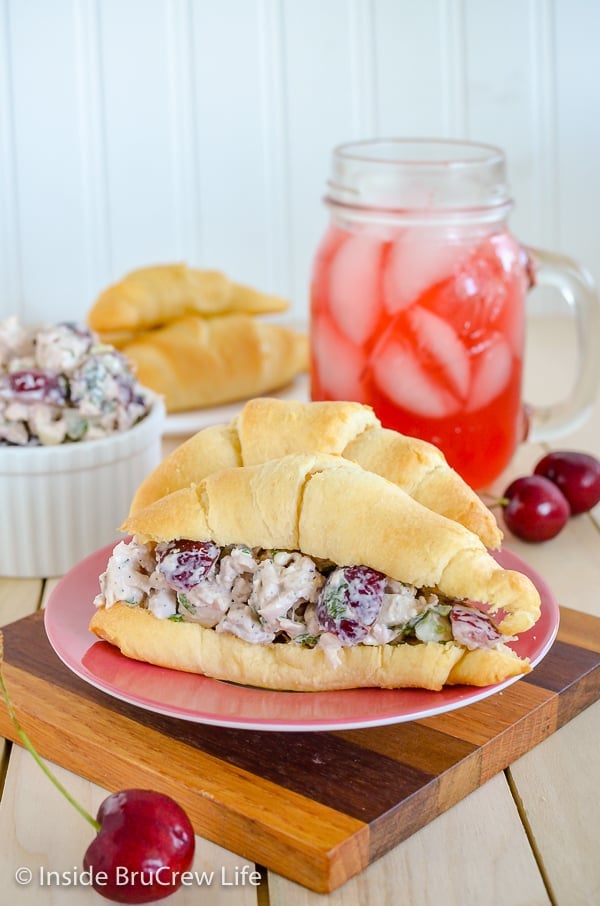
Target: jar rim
493,211
473,153
416,174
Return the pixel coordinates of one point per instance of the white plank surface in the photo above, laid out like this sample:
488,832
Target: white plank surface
410,68
502,89
461,859
577,31
10,270
18,598
141,161
233,101
326,105
28,792
566,764
139,131
45,176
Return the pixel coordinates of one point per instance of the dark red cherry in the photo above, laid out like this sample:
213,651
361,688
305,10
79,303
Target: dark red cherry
536,510
186,563
472,628
350,601
144,840
576,474
144,844
33,386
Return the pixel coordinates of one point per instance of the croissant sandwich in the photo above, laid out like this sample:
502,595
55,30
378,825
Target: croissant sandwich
270,428
310,573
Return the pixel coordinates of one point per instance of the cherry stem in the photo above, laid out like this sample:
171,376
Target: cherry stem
30,748
492,502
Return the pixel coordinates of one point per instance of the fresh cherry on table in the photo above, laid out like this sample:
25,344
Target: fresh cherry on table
564,483
576,474
144,839
535,509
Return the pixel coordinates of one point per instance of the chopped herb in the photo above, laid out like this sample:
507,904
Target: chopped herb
334,600
184,602
306,640
176,618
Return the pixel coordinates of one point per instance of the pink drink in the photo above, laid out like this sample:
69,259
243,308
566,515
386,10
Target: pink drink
418,301
425,323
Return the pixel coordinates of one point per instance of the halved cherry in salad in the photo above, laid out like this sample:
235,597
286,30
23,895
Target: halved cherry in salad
350,602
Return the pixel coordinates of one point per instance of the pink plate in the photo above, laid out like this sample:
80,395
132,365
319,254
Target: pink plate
204,700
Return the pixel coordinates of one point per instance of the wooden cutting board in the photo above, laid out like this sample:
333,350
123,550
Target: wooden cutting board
316,807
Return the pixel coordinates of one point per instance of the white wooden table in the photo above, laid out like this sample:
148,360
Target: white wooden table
529,836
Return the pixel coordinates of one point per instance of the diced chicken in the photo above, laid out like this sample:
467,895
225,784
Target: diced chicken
268,597
163,603
241,620
278,587
127,576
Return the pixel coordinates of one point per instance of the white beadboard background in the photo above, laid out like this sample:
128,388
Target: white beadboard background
143,131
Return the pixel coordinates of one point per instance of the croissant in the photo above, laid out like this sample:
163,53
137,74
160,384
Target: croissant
269,428
197,362
152,296
323,507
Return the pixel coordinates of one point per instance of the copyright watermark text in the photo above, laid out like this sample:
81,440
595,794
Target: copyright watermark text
228,876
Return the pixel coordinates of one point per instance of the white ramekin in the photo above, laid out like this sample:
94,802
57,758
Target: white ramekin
60,503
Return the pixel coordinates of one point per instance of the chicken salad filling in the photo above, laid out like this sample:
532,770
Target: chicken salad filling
59,384
280,596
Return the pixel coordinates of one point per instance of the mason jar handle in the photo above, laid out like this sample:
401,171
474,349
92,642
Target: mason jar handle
578,290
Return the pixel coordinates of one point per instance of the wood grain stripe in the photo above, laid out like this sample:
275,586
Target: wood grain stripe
574,674
311,764
563,666
580,629
314,807
455,763
252,816
483,721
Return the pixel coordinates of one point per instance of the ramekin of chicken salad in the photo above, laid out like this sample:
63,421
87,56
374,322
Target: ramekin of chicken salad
59,384
78,433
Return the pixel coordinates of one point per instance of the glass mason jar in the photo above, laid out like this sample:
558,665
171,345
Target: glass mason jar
418,301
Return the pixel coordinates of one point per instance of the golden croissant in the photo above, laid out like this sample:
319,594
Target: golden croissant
269,428
310,573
